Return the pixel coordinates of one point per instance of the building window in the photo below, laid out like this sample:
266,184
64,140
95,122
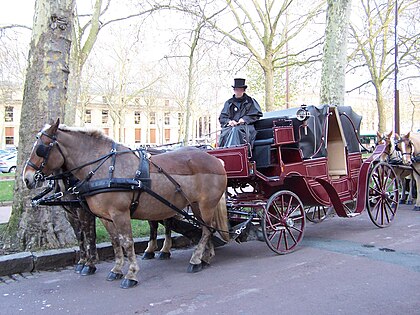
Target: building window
166,119
88,116
8,114
167,135
166,102
152,118
137,135
104,116
137,118
10,135
153,136
179,119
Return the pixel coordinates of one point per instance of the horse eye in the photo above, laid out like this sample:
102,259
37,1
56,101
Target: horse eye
42,150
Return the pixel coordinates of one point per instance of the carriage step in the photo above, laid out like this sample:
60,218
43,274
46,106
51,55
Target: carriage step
353,214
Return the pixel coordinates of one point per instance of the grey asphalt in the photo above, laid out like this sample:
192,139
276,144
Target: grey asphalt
342,266
5,212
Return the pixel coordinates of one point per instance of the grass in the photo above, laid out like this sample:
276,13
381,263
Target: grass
6,190
140,228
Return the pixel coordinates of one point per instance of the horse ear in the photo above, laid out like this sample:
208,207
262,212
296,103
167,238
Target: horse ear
408,135
389,135
54,127
397,136
378,134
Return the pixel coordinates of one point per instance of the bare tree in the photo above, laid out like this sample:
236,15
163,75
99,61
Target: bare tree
263,30
374,39
44,95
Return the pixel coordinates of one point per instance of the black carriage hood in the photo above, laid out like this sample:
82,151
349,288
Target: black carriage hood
311,142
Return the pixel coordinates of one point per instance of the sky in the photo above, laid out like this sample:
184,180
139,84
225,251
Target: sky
16,12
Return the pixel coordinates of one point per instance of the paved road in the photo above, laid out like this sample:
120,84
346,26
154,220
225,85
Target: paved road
5,214
344,266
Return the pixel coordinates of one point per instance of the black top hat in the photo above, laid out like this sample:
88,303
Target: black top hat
239,83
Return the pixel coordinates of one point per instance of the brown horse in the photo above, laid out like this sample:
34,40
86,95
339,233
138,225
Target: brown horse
393,156
187,176
409,145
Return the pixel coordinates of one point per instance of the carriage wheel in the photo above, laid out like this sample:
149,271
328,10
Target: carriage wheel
382,196
283,222
317,214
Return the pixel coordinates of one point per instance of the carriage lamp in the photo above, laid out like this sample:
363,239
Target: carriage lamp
302,115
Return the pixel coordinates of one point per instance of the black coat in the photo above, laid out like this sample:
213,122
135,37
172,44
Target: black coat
246,108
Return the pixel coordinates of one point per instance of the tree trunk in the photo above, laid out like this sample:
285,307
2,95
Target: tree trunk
381,108
43,101
73,92
269,88
335,53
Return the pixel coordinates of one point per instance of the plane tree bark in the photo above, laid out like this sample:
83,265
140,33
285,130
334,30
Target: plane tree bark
44,97
334,60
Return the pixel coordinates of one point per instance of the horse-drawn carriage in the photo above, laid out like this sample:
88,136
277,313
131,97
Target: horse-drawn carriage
304,163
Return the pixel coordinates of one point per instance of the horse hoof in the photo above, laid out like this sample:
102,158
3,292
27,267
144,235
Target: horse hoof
409,202
128,283
88,270
78,268
416,208
114,276
164,256
147,255
401,202
193,268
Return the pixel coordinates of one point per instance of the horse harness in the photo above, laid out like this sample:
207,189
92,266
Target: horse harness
414,158
141,181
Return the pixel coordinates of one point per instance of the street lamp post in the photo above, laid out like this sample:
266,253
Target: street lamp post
396,91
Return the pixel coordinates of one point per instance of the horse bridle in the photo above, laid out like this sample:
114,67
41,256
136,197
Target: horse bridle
410,144
385,140
43,150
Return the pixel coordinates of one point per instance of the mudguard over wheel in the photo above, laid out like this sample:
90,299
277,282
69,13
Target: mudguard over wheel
283,222
382,195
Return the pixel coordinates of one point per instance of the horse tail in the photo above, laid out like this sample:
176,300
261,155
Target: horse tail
221,219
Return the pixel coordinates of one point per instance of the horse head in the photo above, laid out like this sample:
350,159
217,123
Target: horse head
388,141
406,147
45,157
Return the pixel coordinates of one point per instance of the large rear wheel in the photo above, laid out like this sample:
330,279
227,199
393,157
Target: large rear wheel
283,222
382,195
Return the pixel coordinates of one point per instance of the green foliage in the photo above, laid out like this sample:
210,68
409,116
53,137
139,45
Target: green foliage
6,190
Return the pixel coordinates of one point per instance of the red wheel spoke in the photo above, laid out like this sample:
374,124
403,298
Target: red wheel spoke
283,222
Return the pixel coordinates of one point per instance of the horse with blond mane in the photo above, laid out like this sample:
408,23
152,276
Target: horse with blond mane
393,156
409,145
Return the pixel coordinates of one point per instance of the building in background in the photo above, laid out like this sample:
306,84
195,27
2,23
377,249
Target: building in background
136,122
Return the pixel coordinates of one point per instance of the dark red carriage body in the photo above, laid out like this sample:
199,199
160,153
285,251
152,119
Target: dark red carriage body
277,161
303,167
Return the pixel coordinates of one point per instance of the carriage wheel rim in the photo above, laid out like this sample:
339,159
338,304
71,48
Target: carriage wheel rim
283,222
383,195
